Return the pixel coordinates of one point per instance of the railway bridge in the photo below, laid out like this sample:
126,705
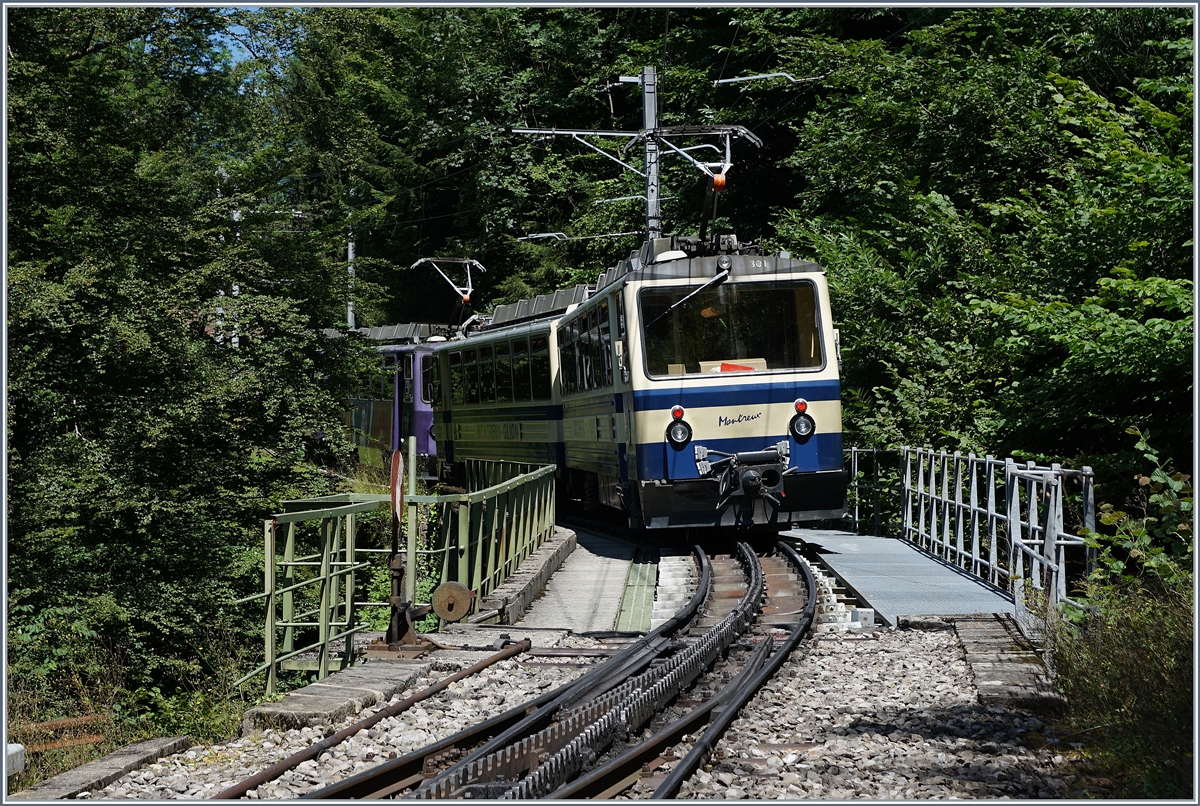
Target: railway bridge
932,540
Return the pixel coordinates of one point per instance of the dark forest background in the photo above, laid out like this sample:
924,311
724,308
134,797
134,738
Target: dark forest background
1002,198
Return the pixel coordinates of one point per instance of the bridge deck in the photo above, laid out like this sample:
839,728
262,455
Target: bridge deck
897,578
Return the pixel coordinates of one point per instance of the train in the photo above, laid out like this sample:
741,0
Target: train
394,402
695,384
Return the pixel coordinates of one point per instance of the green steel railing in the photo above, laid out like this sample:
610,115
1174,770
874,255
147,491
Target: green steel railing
478,538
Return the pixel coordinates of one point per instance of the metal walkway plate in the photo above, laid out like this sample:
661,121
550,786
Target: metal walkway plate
897,578
639,591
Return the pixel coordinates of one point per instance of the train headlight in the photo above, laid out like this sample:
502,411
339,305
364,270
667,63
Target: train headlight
679,433
802,427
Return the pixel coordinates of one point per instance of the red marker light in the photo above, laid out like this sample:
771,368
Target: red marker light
677,413
801,405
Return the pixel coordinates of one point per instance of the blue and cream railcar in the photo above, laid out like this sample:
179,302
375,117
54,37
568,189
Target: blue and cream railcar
704,390
497,396
686,389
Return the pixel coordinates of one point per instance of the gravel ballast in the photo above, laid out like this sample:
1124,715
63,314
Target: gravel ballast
202,772
883,714
890,714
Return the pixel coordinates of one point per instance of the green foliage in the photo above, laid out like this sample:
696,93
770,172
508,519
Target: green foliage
1002,198
206,716
141,449
1160,543
1126,668
1126,662
1086,365
1005,218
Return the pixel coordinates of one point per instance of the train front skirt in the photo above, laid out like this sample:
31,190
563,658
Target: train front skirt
695,502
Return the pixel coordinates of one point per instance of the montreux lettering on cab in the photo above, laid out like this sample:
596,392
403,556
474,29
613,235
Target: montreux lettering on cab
722,420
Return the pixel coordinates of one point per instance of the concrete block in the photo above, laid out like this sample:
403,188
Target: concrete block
863,615
842,617
831,627
14,759
296,711
101,773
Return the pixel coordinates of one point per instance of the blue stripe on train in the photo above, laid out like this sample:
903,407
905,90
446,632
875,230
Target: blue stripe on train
748,395
661,461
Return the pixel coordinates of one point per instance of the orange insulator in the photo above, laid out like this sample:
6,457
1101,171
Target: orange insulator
718,182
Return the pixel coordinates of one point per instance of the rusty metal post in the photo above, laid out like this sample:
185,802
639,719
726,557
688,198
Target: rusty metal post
410,580
463,512
395,630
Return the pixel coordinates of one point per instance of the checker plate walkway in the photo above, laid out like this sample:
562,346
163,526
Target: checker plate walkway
897,578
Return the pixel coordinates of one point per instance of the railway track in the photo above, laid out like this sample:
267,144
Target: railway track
600,734
877,714
682,737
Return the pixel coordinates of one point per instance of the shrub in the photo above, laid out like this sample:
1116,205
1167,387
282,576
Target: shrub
1125,664
58,668
1126,670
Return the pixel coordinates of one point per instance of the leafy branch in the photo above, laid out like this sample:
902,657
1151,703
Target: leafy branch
1159,542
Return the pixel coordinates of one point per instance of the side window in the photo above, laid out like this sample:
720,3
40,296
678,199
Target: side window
471,372
570,367
583,356
458,378
504,384
520,368
380,380
565,349
606,344
428,378
487,375
539,348
408,377
593,326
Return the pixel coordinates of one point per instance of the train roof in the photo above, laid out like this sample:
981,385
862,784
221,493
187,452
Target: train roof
658,259
539,307
400,334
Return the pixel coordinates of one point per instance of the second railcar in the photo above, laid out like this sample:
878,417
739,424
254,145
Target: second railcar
395,402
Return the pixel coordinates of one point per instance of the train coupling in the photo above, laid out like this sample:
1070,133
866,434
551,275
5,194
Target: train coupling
747,473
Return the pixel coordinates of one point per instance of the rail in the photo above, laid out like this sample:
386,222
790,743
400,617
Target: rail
534,716
312,556
1000,520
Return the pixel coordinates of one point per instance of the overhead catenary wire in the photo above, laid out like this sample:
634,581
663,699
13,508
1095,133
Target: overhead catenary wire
729,50
908,25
